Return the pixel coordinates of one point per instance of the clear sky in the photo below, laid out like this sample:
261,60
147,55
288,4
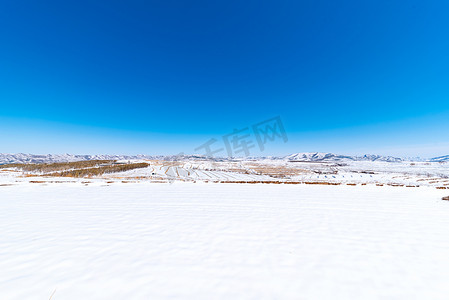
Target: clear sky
163,77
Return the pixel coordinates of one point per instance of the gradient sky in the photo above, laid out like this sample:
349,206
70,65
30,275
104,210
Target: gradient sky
163,77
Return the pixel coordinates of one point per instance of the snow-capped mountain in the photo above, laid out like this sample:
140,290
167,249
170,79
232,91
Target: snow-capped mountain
317,156
331,157
371,157
51,158
305,156
440,158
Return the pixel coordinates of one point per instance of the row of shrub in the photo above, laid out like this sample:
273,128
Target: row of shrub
90,172
55,167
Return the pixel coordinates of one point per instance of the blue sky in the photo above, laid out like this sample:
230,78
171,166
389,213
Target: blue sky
163,77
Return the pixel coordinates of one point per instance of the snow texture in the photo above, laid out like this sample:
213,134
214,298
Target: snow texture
222,241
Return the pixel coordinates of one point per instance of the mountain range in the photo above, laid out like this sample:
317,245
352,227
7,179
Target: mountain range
331,157
305,156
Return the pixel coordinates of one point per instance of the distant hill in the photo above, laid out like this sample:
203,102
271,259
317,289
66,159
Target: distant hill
303,156
51,158
440,158
331,157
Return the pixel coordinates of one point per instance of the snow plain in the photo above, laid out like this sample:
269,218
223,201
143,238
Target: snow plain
222,241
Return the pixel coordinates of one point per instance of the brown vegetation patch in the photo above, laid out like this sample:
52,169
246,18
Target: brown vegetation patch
276,171
89,172
54,167
427,179
322,182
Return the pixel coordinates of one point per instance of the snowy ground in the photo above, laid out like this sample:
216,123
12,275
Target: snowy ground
411,174
222,241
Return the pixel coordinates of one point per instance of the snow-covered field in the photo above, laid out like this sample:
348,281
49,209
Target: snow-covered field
222,241
405,173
